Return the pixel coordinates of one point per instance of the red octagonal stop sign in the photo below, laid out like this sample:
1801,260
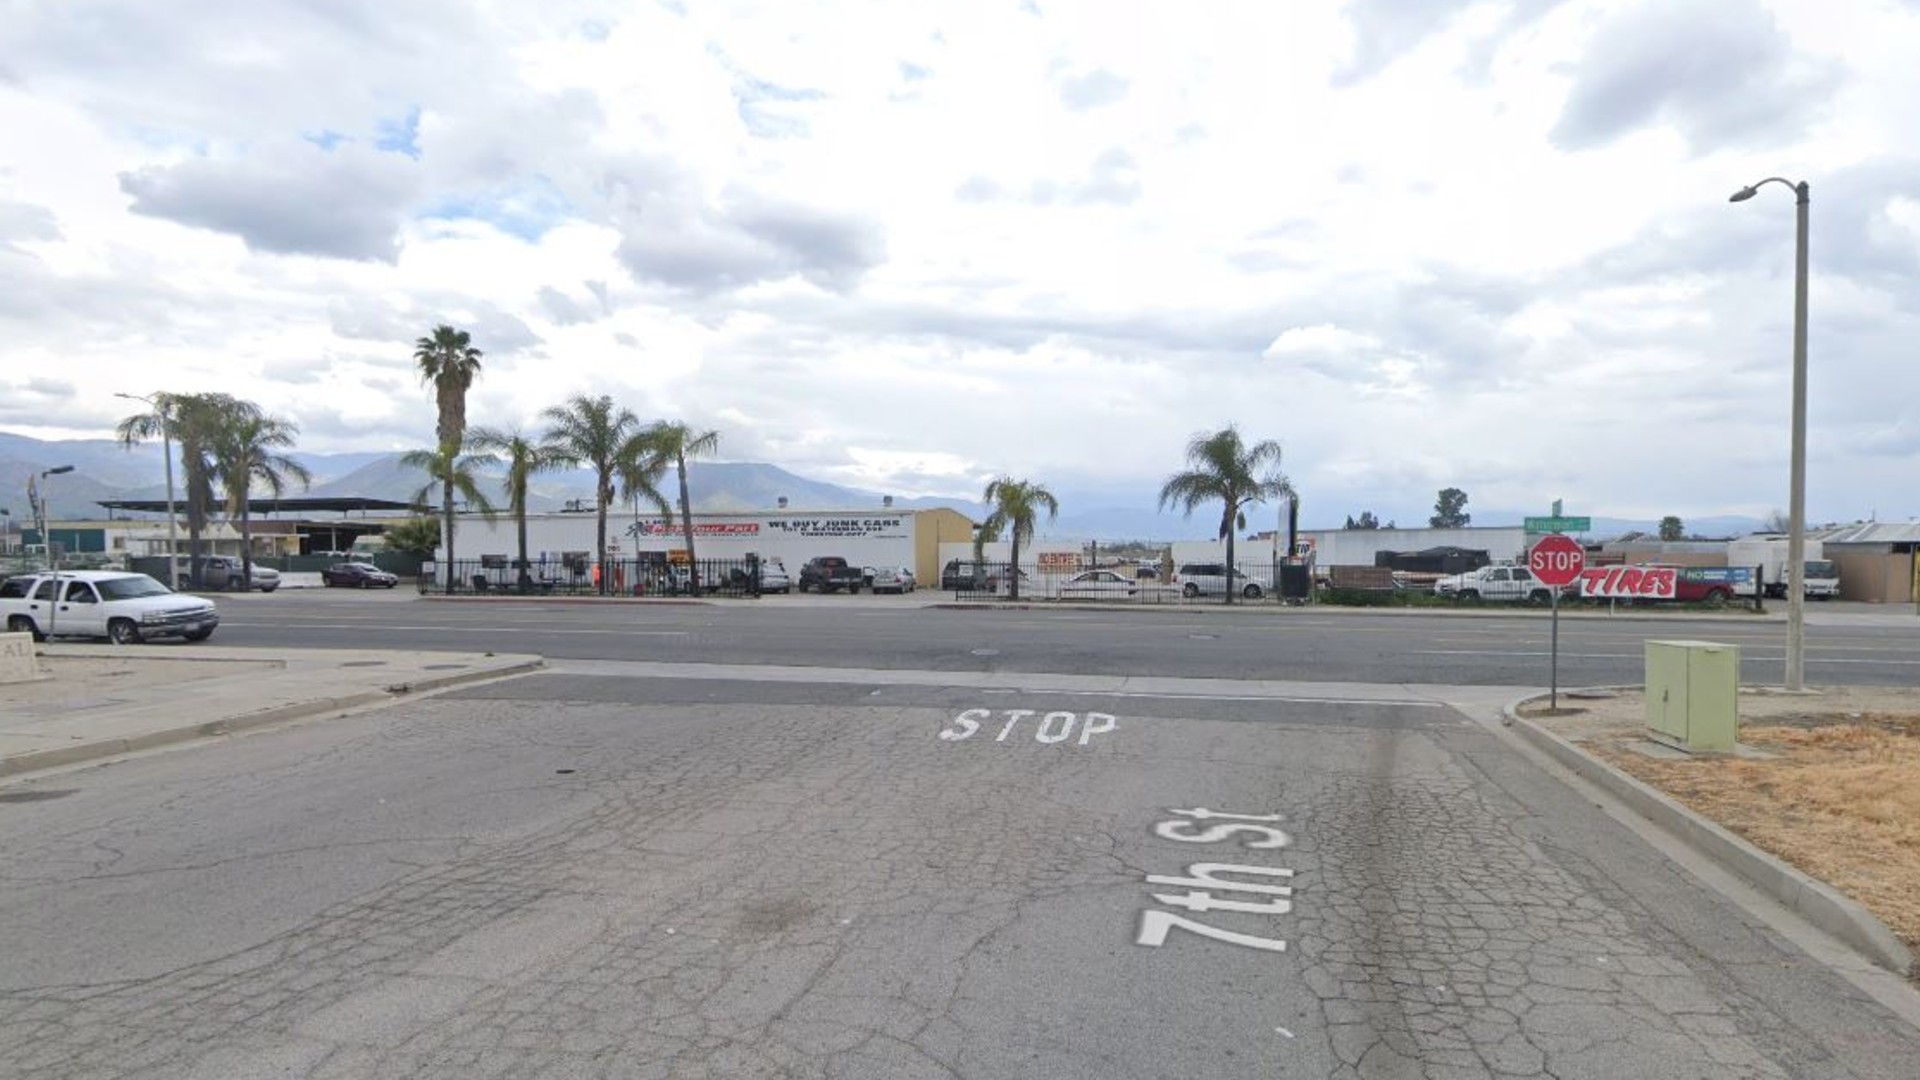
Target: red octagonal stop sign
1556,560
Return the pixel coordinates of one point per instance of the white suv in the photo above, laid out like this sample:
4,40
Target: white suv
124,608
1210,579
1500,583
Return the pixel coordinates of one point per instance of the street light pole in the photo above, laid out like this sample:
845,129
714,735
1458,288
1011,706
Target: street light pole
165,411
53,554
1797,484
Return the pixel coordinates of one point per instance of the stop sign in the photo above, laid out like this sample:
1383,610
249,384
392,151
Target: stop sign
1556,560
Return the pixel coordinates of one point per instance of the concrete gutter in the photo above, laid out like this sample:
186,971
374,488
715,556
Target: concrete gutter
1813,900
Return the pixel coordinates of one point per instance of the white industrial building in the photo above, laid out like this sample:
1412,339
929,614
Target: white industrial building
886,537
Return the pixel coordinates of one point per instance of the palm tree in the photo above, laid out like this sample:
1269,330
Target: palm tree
449,362
1016,504
157,422
595,433
524,458
198,423
1225,468
248,450
455,473
673,442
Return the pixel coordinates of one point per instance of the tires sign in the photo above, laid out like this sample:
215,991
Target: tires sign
1557,560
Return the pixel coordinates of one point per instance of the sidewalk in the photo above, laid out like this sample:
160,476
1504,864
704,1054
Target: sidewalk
101,701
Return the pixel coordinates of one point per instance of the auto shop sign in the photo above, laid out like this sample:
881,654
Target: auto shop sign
865,528
1629,582
700,528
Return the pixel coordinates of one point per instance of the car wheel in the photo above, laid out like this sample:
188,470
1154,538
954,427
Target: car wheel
1190,591
20,624
363,583
1469,596
1251,592
1540,598
123,632
234,584
1717,598
268,588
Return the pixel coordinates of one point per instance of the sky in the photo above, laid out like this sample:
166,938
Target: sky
909,247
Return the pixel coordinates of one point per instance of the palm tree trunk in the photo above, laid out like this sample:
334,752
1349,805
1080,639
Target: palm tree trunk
246,547
520,521
686,524
1013,572
446,513
1230,585
605,584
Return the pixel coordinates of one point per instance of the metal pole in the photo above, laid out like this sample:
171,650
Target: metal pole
173,525
1553,679
53,560
1797,491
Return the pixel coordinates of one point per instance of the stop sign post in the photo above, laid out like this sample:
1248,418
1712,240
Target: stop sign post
1556,561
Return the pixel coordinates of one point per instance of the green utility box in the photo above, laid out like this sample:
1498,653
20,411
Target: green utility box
1693,693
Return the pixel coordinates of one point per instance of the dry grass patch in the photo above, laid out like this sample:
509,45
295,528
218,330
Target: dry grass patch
1841,802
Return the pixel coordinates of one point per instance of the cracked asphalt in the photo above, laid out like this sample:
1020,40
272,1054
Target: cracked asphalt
600,876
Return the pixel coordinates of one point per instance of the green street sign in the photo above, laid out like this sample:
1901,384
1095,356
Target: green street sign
1559,524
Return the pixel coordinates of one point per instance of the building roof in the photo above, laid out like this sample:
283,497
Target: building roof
270,505
1876,532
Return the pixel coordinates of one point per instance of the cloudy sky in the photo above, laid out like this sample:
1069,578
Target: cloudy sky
908,246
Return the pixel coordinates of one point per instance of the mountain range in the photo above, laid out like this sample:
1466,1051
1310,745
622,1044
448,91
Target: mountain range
103,469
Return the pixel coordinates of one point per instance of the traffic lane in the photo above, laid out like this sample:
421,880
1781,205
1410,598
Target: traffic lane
756,887
1467,651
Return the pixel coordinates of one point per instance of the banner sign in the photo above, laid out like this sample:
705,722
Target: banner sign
1052,561
1629,582
700,528
876,528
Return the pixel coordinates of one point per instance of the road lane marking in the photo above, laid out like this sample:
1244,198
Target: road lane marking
464,629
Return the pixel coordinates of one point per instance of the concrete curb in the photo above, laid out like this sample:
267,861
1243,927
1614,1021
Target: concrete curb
37,760
1812,899
1269,609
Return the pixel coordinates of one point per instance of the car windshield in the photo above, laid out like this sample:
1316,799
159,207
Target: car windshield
130,588
1820,568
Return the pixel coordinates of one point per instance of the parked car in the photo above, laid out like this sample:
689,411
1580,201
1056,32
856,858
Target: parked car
960,576
358,575
893,579
1096,584
224,573
773,577
831,573
121,607
1210,579
1501,583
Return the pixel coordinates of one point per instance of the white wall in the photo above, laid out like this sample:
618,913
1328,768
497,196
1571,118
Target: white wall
1357,547
862,538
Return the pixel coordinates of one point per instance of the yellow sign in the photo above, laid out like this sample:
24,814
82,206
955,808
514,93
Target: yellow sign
679,556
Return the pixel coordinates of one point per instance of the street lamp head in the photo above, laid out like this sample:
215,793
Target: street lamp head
1743,194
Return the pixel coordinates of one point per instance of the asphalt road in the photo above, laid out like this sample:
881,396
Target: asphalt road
1485,648
590,874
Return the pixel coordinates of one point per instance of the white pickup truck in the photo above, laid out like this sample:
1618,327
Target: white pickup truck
1503,583
121,607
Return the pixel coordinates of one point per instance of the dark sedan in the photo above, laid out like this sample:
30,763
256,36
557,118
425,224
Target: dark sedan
356,575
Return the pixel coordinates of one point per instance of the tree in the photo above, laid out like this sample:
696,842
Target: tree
640,467
1226,469
1450,510
456,473
416,536
156,423
248,450
1672,528
1777,522
198,423
673,442
1016,506
524,458
448,362
1366,520
594,433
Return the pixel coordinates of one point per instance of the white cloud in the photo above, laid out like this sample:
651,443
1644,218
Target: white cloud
1478,244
